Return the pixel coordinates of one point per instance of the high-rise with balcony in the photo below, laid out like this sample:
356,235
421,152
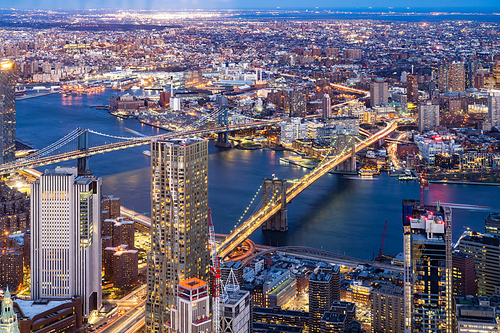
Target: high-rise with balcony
179,232
427,268
65,237
8,112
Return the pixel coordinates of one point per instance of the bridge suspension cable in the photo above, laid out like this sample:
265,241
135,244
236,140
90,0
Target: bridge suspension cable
119,137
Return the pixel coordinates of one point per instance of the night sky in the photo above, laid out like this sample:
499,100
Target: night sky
445,5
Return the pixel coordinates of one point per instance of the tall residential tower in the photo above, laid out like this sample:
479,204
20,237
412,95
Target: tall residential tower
179,233
65,237
8,112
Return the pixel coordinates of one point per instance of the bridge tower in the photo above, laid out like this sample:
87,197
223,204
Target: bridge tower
273,188
223,121
83,145
342,141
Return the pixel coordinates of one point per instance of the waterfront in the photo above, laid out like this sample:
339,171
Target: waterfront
336,214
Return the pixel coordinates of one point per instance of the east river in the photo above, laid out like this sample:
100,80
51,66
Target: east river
336,213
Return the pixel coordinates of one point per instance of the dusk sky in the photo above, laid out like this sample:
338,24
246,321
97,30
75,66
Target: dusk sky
473,5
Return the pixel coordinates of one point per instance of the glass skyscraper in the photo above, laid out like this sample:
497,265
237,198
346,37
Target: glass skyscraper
179,224
8,112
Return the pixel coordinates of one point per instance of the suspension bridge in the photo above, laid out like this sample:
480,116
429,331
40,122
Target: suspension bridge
273,206
83,143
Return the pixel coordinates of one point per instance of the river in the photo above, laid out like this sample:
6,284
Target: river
335,213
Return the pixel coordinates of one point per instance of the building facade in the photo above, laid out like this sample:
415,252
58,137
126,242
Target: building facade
427,268
494,107
387,308
179,233
8,111
428,116
379,92
192,313
65,238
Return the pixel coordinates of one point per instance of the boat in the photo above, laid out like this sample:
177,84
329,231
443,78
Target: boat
146,152
135,88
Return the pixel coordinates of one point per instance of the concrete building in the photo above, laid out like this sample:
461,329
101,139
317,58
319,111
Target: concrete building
412,89
120,230
379,92
8,111
485,248
327,106
11,268
333,322
121,266
110,207
179,205
475,315
65,242
14,210
387,308
278,316
464,275
428,116
192,313
494,107
235,307
456,74
492,223
427,268
324,289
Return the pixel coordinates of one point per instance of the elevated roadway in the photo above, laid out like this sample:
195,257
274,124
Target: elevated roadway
255,221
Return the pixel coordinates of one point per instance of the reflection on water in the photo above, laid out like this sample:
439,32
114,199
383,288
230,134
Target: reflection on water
335,213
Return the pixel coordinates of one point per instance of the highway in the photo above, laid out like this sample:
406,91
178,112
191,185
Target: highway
266,212
128,322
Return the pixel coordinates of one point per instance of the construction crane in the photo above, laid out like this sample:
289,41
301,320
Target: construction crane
215,272
379,258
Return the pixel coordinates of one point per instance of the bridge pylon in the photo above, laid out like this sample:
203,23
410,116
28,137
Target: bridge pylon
343,141
223,121
83,145
272,188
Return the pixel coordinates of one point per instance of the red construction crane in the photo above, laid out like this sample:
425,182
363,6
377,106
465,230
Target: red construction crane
215,272
379,258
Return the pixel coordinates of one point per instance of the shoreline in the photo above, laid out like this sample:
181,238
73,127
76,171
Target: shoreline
460,182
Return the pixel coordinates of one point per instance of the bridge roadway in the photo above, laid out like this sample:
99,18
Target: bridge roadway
32,163
255,221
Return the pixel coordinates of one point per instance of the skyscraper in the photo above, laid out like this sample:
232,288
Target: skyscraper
464,274
192,313
428,116
486,251
427,268
494,107
8,112
412,88
179,233
324,289
65,242
379,92
456,76
327,106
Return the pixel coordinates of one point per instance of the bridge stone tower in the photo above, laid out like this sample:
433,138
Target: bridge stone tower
342,141
272,188
223,121
83,146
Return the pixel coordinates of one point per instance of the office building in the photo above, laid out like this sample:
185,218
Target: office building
427,268
324,289
8,111
485,248
327,106
464,274
278,316
444,78
492,223
494,107
475,315
333,322
235,307
387,308
11,268
179,235
379,92
192,313
428,116
412,89
14,210
65,238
